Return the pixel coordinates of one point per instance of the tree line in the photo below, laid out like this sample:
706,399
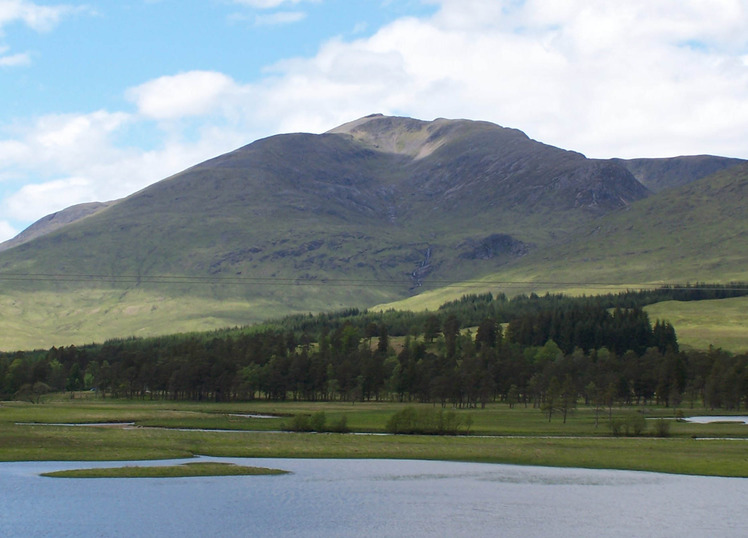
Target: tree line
548,352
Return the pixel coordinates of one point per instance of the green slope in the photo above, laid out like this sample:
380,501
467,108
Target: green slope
698,232
694,233
374,212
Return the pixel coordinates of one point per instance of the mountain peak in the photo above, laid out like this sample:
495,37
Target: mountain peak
408,136
403,136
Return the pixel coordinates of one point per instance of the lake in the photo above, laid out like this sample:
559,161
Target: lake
371,498
712,419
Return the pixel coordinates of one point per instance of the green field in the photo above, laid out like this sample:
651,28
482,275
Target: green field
722,323
144,430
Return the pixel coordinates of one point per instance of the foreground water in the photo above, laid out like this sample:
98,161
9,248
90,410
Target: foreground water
372,498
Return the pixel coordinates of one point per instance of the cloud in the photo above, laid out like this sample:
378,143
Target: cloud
270,4
607,78
59,159
64,159
193,93
46,198
38,17
623,79
14,60
279,18
70,131
58,142
7,231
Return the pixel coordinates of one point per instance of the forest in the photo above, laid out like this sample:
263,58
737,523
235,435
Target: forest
548,351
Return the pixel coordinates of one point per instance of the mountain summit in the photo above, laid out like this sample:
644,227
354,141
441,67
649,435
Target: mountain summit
372,211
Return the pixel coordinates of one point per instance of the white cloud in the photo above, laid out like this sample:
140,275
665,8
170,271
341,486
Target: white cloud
14,60
633,78
279,18
46,198
60,142
7,231
74,158
38,17
270,4
193,93
627,79
71,131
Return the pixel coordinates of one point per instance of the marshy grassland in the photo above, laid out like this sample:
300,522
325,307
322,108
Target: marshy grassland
87,428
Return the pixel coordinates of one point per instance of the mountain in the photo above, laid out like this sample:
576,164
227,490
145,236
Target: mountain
374,211
53,222
322,204
694,233
662,174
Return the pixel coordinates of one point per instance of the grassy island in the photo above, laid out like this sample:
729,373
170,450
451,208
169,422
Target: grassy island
167,471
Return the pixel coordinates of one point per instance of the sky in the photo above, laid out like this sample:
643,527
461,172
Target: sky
99,99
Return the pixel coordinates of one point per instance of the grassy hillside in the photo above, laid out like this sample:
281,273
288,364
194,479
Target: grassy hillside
689,234
382,211
340,206
43,319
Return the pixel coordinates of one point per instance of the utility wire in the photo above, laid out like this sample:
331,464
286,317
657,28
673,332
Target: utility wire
349,282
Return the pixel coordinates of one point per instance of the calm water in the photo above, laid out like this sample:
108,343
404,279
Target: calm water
712,419
372,498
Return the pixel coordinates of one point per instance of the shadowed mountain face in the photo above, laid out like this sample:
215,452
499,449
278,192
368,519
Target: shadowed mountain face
380,191
476,165
662,174
369,212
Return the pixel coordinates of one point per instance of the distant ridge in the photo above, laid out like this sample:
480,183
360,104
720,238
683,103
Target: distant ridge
55,221
662,174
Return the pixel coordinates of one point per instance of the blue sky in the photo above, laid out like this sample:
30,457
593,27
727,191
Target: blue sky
99,48
101,98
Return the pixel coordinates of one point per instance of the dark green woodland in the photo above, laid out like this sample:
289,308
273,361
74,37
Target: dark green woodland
547,351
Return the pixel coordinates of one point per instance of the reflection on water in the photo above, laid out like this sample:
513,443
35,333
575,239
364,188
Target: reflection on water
525,475
372,498
252,415
79,424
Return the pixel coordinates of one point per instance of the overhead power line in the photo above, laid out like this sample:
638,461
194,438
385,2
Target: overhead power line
346,282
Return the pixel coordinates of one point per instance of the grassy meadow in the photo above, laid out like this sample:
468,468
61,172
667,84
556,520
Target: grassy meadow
42,319
145,430
96,315
720,323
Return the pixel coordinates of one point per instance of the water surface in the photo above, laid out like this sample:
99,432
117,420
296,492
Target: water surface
372,498
717,419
